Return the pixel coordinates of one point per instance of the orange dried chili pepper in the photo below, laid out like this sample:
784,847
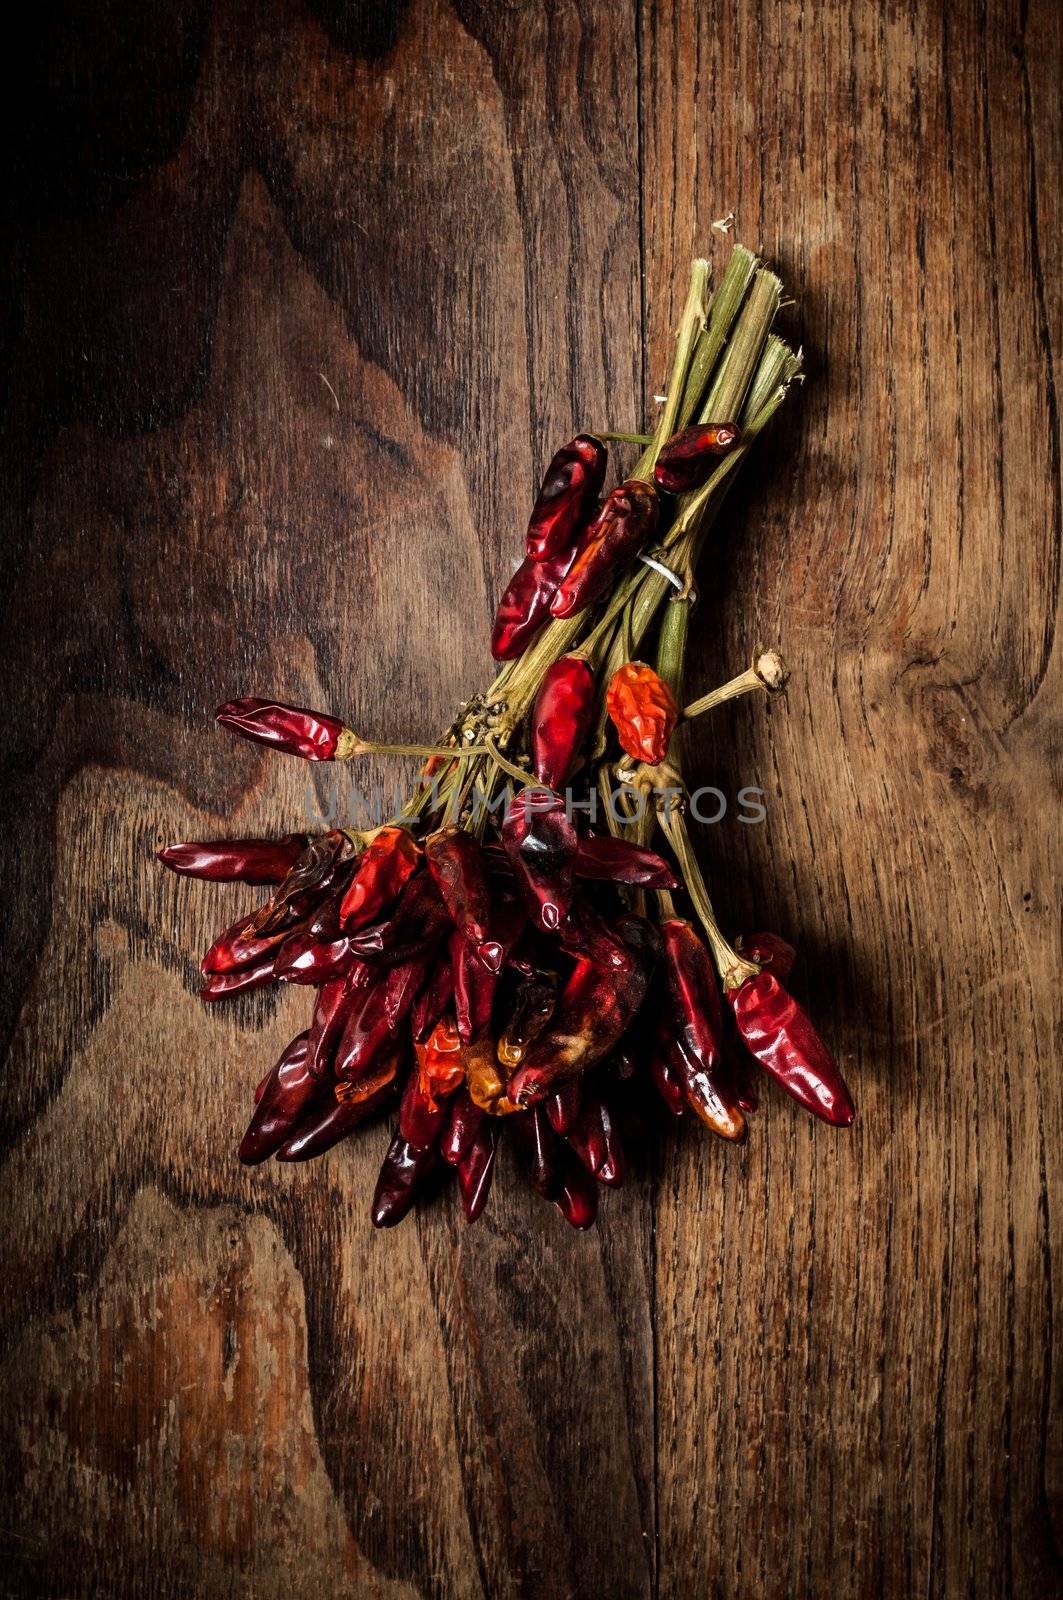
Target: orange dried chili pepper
643,711
440,1068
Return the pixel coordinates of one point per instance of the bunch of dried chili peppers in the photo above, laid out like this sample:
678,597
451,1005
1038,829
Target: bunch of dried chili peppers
487,960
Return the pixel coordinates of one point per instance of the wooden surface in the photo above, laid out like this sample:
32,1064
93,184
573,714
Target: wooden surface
304,296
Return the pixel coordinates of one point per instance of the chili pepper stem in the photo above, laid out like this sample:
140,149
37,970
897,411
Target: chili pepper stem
768,672
626,438
349,747
734,969
691,326
500,761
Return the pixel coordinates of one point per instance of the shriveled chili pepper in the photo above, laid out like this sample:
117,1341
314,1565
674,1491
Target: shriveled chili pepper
415,926
400,986
420,1113
643,711
561,719
540,841
459,871
223,985
577,1198
583,932
595,1011
474,989
253,861
367,1032
769,950
664,1078
569,491
688,458
612,860
779,1033
388,861
484,1078
563,1108
476,1169
331,1120
304,959
440,1062
596,1140
525,604
433,999
293,729
625,523
459,1129
289,1092
403,1169
533,1006
696,1055
325,859
335,1002
238,948
544,1154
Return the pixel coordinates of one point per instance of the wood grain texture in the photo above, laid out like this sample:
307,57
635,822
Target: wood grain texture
304,295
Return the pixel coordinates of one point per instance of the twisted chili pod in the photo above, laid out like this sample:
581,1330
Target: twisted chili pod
622,861
386,864
460,874
569,491
689,457
540,841
625,523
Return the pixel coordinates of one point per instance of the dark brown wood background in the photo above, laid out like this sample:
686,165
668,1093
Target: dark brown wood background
302,296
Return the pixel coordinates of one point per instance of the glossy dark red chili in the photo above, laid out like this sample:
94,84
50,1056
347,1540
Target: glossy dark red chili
476,1169
623,526
540,841
252,861
688,458
525,604
567,497
460,873
696,1030
561,720
386,864
779,1033
293,729
622,861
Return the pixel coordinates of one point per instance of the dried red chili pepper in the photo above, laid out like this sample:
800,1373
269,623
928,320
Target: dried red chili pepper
779,1033
596,1140
595,1011
624,524
304,959
440,1062
335,1002
475,982
293,729
417,923
402,1171
585,934
533,1006
237,948
569,491
540,841
563,1108
367,1032
525,604
401,984
459,872
476,1169
768,950
420,1113
561,719
223,985
544,1154
643,711
696,1043
289,1091
463,1118
253,861
665,1080
577,1199
612,860
332,1120
388,861
325,860
688,458
433,999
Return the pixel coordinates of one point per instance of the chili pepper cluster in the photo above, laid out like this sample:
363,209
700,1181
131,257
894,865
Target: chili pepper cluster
490,959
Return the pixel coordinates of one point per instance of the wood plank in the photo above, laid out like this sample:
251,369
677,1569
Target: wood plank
302,317
859,1363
